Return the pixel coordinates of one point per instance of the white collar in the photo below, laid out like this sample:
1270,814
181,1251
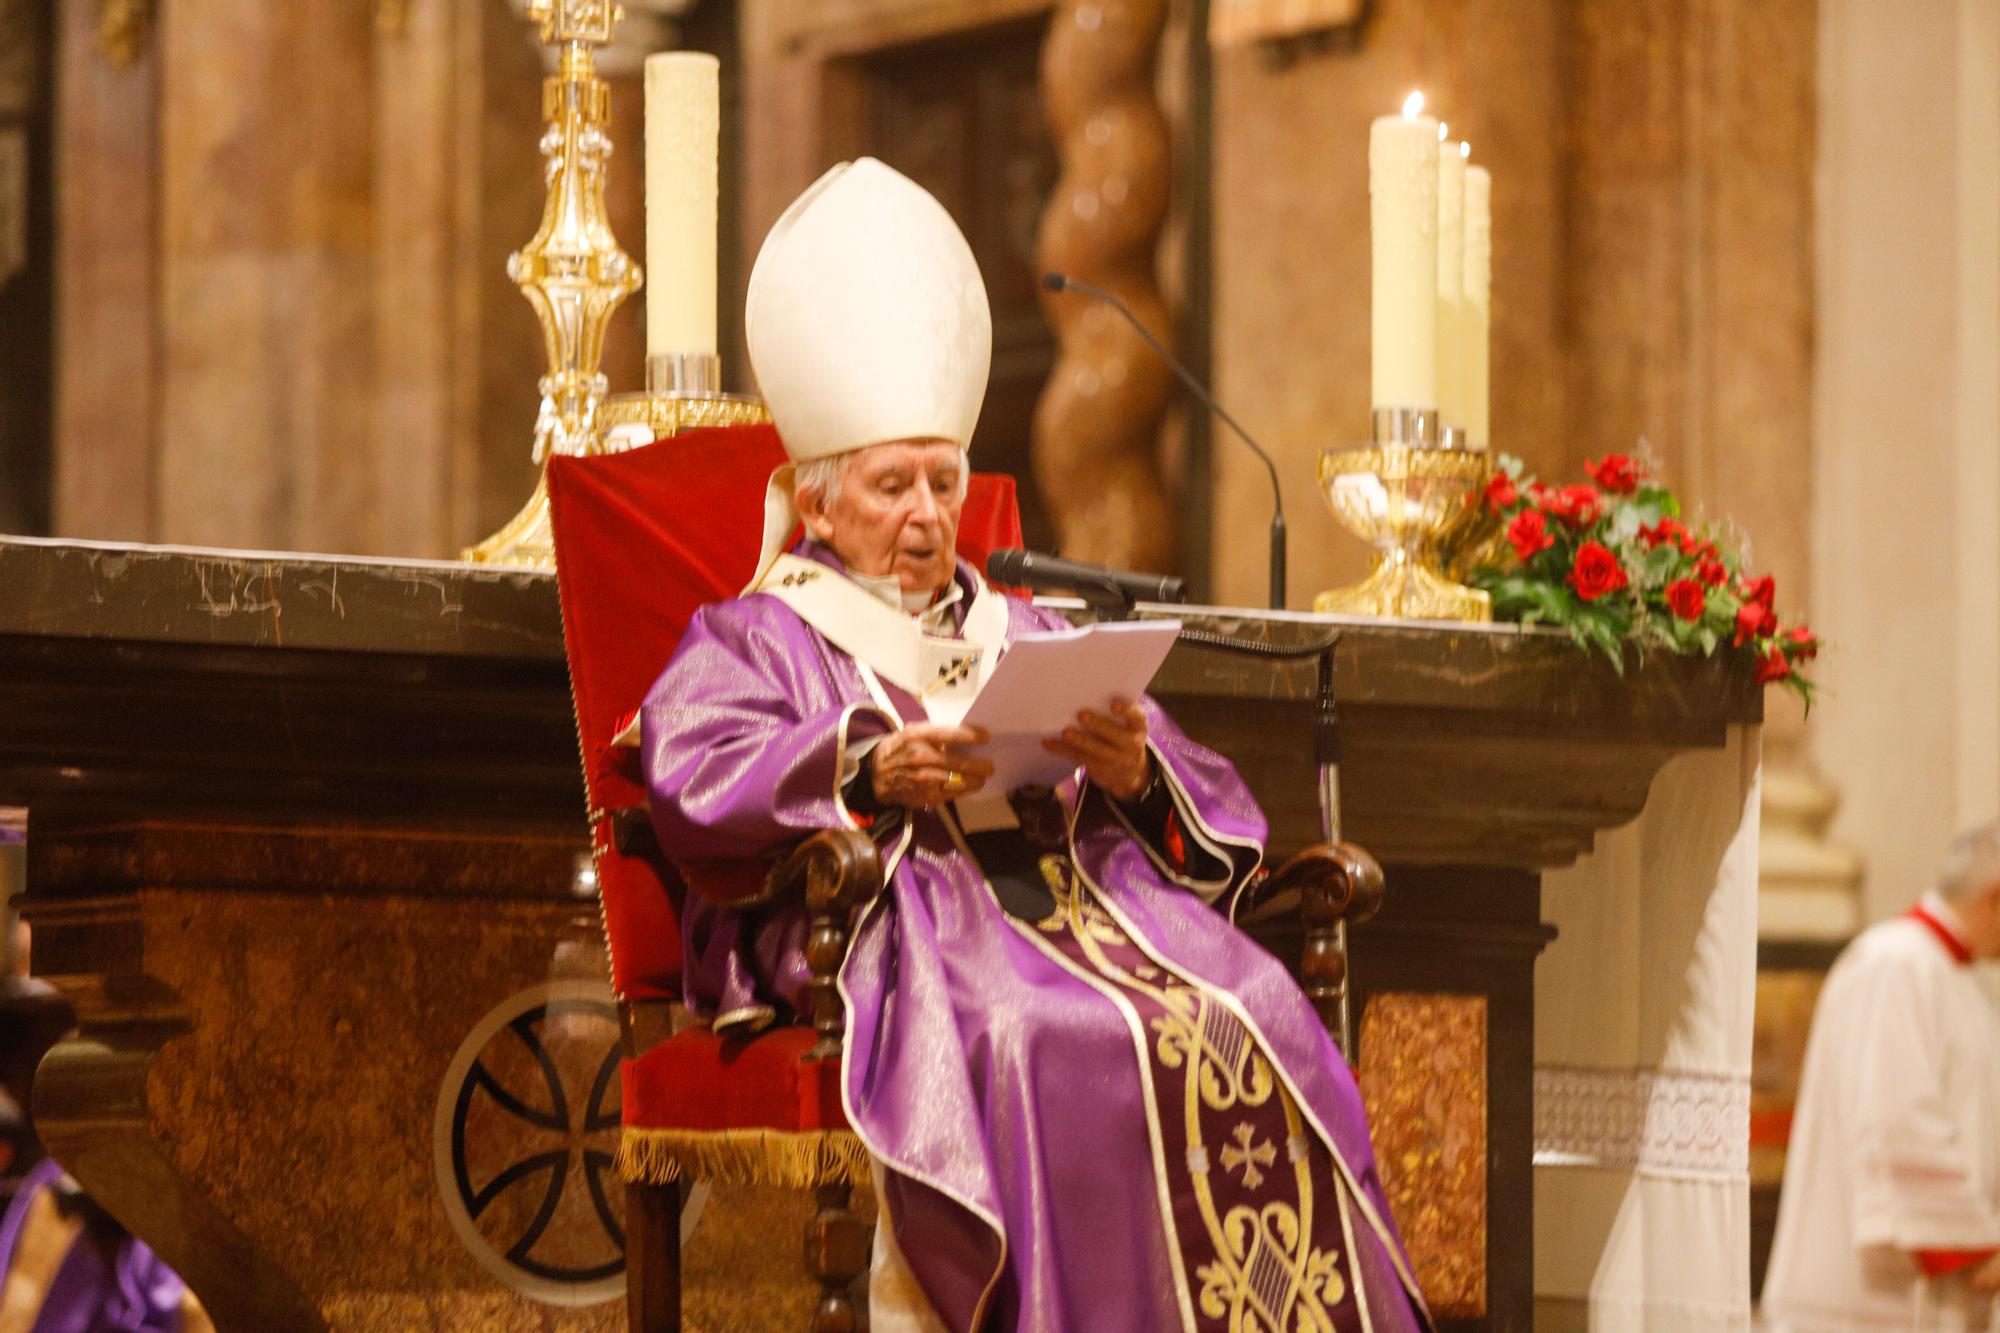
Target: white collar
942,670
928,608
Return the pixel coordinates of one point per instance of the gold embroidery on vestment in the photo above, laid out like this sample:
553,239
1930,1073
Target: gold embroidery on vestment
1253,1157
1079,913
1266,1275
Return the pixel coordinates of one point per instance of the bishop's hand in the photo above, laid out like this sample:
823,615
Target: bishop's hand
920,766
1111,749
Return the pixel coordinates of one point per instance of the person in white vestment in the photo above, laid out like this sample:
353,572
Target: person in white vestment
1890,1215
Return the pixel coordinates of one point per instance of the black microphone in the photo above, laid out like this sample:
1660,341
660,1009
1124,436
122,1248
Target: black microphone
1031,569
1057,282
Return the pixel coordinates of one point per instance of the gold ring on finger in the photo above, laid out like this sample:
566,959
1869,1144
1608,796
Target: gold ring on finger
954,781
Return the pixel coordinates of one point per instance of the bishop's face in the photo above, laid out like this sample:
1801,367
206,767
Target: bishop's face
896,512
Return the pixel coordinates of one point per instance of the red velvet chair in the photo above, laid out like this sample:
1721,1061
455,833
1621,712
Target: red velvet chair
644,538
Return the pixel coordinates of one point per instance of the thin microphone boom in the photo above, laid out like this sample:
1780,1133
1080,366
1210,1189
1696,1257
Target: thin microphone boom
1058,282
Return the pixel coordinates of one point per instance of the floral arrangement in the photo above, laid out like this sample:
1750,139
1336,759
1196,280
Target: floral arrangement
1612,563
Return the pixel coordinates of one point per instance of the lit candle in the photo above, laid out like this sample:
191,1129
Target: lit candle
682,119
1478,302
1451,282
1402,195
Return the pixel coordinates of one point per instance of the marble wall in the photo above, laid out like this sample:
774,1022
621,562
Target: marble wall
1906,457
283,316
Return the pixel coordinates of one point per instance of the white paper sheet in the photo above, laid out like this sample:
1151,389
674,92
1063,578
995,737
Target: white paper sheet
1046,679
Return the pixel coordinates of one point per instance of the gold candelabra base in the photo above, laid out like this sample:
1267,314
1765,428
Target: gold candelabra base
1401,499
524,541
627,421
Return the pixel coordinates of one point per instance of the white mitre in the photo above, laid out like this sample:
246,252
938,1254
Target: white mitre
867,322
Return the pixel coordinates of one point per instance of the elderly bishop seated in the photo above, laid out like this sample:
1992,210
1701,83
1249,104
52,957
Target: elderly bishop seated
1093,1104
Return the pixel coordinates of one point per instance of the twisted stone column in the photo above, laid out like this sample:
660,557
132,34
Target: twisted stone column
1097,424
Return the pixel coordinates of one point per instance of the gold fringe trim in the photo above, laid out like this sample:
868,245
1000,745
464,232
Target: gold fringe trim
743,1157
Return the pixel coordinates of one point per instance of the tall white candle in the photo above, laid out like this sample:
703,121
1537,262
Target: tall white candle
1478,303
1451,284
1402,195
682,122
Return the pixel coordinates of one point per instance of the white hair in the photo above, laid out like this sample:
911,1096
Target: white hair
822,475
826,476
1972,863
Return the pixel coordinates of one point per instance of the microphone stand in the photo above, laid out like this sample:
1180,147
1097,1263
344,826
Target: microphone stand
1059,282
1326,760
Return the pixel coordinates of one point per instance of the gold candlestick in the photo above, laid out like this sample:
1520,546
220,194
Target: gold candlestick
573,271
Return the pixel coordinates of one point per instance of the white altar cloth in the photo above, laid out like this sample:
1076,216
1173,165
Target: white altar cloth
1643,1010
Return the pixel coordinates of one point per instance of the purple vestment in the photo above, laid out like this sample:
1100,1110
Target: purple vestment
1016,1081
127,1291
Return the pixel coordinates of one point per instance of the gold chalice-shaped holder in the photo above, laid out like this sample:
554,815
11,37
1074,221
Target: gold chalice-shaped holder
683,392
1402,498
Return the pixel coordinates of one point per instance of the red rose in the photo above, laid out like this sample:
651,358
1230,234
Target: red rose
1578,506
1530,534
1804,645
1616,473
1712,572
1597,572
1761,591
1500,493
1687,598
1754,620
1772,666
1666,530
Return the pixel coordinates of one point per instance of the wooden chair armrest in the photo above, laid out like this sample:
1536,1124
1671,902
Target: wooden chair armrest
1332,884
838,869
1340,881
1334,881
845,860
834,870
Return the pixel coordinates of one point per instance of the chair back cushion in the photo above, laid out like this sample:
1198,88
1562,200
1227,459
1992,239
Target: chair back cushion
643,539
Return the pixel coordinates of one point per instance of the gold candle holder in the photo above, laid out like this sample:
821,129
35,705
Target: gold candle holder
573,271
1401,495
683,392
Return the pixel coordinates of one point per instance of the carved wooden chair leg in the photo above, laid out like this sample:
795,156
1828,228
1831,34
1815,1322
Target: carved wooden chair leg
653,1257
841,870
836,1254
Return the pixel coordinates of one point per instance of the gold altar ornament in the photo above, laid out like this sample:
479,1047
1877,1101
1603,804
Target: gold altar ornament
1402,499
572,272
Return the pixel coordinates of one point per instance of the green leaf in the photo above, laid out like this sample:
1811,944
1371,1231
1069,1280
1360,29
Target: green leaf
1660,565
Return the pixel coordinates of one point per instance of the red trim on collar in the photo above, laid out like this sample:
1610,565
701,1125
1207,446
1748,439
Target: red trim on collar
1943,1263
1952,944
